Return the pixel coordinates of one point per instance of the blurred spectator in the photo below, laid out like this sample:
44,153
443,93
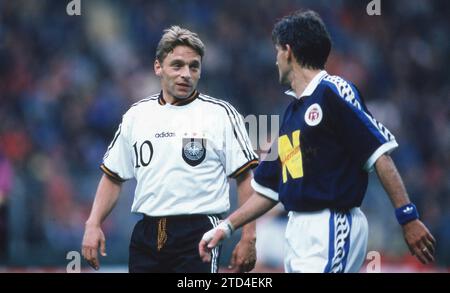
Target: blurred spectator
6,178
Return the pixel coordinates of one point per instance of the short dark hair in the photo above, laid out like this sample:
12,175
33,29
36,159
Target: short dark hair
307,35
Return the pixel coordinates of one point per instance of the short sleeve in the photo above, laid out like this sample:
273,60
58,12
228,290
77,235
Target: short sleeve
267,176
364,137
239,154
118,162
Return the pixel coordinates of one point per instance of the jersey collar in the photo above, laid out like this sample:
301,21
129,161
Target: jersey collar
310,88
186,101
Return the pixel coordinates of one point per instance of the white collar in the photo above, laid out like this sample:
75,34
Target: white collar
311,87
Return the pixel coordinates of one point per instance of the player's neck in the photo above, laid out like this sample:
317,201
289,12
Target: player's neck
301,77
169,98
172,100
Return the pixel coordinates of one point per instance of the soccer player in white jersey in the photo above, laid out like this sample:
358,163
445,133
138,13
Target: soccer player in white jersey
182,147
327,144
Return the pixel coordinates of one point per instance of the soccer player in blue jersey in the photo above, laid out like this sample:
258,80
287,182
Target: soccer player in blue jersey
327,144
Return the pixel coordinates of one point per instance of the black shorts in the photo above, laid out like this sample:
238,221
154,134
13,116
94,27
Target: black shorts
170,245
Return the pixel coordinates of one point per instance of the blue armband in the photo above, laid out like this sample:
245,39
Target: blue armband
406,213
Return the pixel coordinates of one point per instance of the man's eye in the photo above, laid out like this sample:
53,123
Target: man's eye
177,64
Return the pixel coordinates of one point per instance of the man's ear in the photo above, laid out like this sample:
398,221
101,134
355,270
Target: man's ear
289,53
157,67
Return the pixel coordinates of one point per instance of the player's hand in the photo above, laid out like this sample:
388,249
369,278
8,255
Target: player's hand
420,241
213,238
207,243
243,258
93,239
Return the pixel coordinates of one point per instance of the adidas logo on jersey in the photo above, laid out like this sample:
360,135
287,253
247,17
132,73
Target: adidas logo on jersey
165,134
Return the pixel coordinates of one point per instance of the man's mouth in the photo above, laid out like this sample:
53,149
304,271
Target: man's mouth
184,85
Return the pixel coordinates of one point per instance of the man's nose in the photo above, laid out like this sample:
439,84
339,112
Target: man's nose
185,72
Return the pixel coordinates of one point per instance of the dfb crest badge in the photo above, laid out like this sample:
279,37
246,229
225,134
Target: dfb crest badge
194,150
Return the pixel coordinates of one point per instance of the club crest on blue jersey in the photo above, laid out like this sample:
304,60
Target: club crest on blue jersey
313,115
194,150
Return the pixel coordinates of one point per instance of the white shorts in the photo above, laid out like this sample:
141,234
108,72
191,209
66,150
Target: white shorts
325,241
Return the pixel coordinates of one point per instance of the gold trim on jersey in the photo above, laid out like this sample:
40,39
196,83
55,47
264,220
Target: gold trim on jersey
246,166
162,233
113,176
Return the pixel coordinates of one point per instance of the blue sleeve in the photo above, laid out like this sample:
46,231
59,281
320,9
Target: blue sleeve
364,137
267,175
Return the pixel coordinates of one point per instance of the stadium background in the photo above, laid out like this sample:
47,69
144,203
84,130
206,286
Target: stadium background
66,80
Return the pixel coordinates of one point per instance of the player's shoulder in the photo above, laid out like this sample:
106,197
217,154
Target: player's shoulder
216,104
149,101
337,84
338,88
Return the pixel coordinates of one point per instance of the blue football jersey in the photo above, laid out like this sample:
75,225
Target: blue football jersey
327,144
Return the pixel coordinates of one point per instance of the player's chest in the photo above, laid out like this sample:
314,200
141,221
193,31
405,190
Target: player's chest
306,134
309,120
192,135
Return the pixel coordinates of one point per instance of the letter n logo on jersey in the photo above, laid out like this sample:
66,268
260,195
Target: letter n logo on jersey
194,150
290,156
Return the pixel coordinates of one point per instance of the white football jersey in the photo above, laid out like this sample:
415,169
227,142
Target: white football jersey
181,154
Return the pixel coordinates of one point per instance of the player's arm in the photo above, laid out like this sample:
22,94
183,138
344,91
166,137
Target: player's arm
244,193
419,240
253,208
243,258
105,199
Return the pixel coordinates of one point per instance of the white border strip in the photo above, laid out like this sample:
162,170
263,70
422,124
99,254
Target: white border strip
267,192
385,148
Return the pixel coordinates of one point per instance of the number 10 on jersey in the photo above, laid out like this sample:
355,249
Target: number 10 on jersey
143,154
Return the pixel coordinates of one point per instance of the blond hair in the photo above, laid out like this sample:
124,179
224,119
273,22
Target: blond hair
177,36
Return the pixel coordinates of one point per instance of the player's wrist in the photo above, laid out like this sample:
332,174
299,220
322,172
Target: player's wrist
226,227
406,213
92,224
248,234
248,239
